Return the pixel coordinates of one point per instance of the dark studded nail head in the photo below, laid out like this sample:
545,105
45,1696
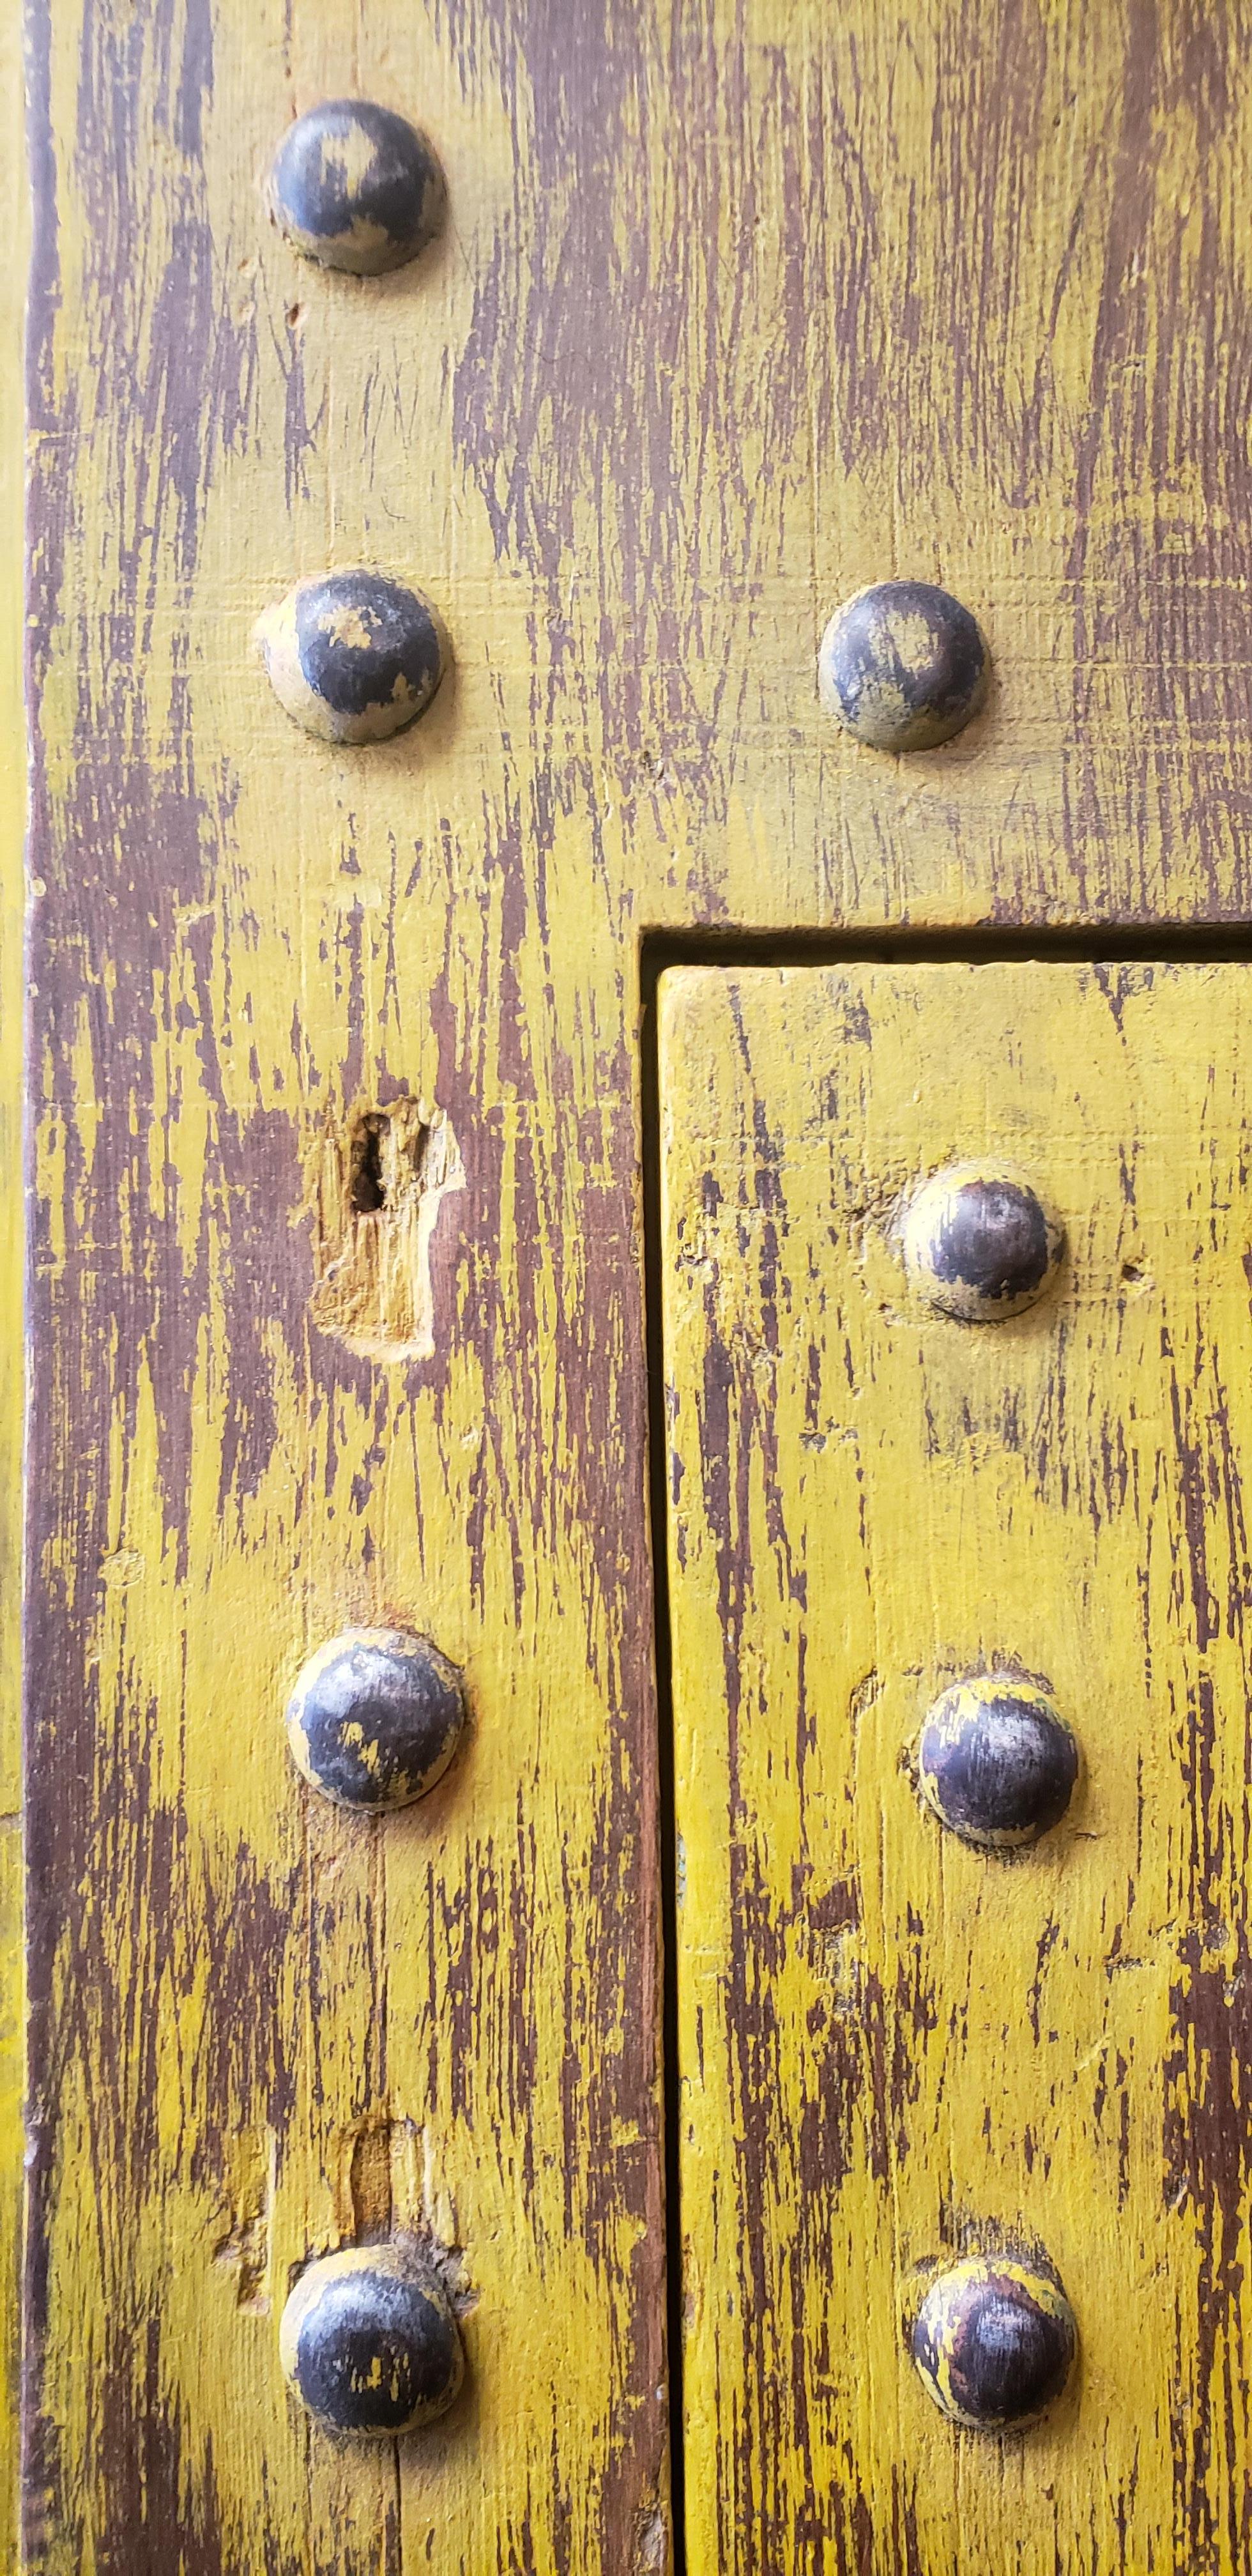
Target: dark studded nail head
356,187
369,2342
997,1761
994,2341
902,665
375,1717
353,656
979,1243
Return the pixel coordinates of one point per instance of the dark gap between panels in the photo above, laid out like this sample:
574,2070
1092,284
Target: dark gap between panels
658,1517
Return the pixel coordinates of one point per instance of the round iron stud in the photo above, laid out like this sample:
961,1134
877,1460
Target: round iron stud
356,187
997,1761
353,656
375,1718
369,2342
994,2341
979,1242
902,665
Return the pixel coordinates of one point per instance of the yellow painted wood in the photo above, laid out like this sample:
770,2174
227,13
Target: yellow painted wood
15,232
894,2047
277,2028
737,309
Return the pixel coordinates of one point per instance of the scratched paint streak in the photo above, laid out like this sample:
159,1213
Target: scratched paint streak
894,2047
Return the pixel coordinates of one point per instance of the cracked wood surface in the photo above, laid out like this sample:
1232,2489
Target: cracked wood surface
736,308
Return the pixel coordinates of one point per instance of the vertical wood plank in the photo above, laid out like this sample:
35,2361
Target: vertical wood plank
15,228
248,2008
897,2049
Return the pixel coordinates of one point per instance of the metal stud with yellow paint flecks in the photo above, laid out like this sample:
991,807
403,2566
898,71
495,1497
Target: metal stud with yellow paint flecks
369,2341
356,187
353,656
375,1718
996,1761
994,2341
979,1241
903,666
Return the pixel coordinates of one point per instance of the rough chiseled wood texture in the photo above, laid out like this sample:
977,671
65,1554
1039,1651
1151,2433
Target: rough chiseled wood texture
894,2049
735,311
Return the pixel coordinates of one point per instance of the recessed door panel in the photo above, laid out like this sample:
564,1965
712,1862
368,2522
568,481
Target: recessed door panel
959,1360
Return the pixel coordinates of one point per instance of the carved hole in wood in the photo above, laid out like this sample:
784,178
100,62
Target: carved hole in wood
379,1185
366,1186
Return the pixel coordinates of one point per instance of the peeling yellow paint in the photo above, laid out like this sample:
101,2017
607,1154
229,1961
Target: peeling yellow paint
1040,2056
735,311
15,230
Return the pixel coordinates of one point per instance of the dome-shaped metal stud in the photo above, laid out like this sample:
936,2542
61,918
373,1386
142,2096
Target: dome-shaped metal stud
979,1242
375,1717
369,2342
995,2342
356,187
997,1761
352,656
902,665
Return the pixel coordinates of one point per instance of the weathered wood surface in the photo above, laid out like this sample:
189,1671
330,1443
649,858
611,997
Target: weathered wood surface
895,2048
14,213
735,309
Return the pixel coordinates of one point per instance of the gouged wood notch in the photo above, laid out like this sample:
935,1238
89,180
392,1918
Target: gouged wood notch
946,2105
519,490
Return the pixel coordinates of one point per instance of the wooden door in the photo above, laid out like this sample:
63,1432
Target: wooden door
670,331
